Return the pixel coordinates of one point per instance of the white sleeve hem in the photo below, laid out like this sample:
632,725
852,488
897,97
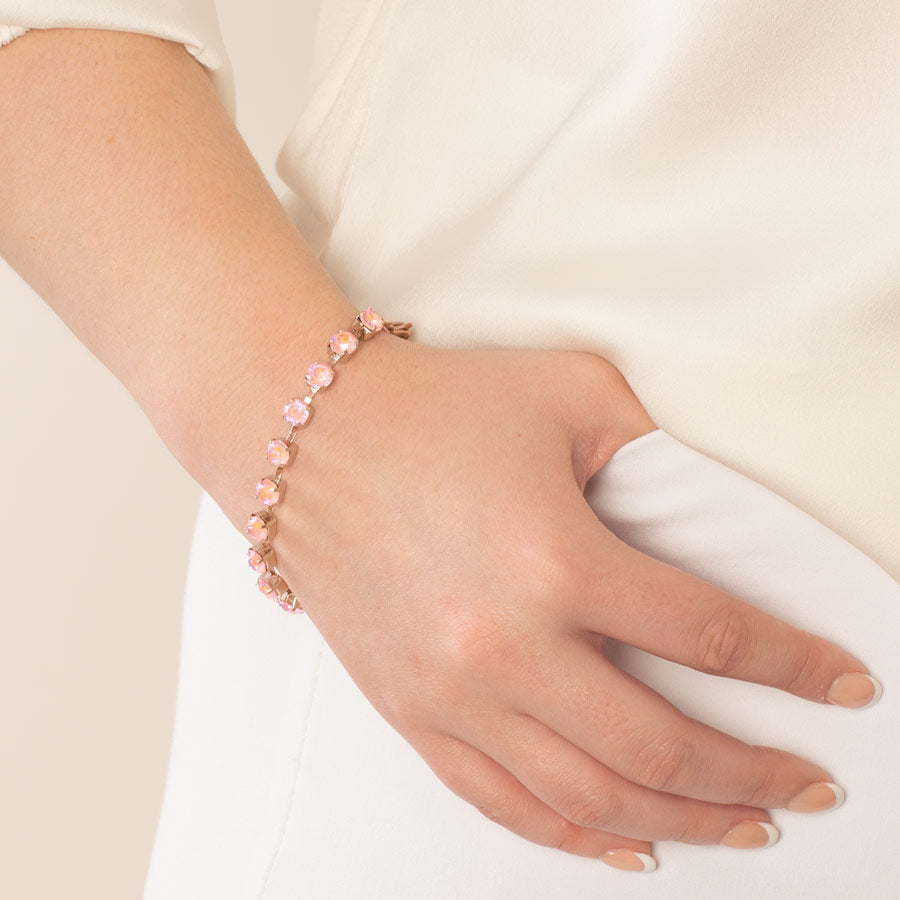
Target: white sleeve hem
9,32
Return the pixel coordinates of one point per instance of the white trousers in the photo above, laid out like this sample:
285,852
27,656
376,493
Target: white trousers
285,784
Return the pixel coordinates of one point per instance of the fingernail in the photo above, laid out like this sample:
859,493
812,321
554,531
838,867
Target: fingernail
817,797
630,860
751,835
854,690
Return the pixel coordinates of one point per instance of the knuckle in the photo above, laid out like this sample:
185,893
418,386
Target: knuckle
600,371
659,763
763,783
592,807
806,665
567,837
455,766
590,365
547,559
477,644
724,642
693,828
614,389
547,569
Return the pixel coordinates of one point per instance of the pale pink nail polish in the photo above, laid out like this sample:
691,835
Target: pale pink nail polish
751,835
855,690
817,797
629,860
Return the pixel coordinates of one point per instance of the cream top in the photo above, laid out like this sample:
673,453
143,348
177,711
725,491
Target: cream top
707,194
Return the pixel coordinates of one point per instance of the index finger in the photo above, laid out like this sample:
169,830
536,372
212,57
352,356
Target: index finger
664,610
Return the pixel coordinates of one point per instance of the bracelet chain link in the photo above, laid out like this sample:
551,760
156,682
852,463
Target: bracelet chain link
261,525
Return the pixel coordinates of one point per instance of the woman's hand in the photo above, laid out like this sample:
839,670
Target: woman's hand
439,538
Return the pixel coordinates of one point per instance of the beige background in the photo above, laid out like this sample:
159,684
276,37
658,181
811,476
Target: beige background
95,534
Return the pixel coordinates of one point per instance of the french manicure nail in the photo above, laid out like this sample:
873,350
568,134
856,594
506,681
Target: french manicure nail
751,835
817,797
629,860
854,690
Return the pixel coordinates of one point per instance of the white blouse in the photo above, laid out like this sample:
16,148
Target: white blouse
708,194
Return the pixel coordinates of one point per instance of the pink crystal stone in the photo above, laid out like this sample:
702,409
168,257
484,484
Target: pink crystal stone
255,561
278,453
319,374
267,491
371,319
267,589
343,343
257,528
296,412
286,603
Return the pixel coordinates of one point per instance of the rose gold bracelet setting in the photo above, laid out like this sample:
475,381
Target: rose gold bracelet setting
261,525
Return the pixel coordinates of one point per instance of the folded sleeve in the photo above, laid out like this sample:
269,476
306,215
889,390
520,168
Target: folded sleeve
8,32
193,23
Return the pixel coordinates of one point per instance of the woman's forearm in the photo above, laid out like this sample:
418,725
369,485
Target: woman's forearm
130,203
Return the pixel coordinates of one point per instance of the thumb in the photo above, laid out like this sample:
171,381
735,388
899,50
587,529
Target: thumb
606,414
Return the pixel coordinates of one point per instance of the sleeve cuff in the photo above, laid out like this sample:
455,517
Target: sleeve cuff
8,32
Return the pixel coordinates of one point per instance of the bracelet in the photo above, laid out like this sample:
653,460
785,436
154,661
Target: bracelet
261,524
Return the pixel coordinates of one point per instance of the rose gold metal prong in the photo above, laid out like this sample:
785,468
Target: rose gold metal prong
272,582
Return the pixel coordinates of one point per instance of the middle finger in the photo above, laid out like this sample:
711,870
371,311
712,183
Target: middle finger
638,733
591,795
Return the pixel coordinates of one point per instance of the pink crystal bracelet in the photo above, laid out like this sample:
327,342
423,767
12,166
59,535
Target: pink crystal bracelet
261,524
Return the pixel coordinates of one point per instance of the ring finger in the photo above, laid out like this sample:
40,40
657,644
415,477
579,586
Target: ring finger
498,795
638,734
588,793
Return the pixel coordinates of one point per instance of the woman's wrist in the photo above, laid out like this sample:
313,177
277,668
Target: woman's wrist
226,452
134,208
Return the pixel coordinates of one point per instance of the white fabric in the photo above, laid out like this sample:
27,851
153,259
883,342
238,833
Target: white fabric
8,32
706,193
286,784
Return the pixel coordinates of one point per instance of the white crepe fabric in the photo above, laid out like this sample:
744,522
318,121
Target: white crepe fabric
705,193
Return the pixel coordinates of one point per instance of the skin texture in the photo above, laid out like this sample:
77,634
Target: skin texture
475,621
